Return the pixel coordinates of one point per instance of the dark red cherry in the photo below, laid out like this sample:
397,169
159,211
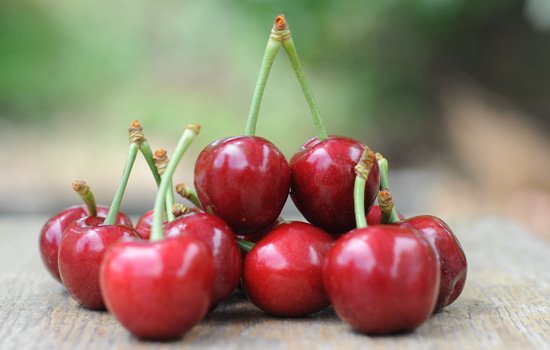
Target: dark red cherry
282,273
158,290
382,279
322,180
220,239
244,180
453,266
81,250
51,233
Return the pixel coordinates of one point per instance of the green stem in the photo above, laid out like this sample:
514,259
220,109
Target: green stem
391,216
169,202
189,134
362,170
359,201
188,193
148,155
272,47
110,219
245,245
84,191
288,45
383,166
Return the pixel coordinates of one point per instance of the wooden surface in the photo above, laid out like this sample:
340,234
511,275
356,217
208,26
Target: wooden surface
505,305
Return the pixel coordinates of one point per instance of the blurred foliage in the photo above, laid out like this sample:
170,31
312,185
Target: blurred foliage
373,65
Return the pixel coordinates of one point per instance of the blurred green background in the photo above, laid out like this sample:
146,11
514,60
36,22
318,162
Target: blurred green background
443,88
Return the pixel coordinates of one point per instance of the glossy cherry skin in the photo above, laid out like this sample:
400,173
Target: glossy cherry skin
220,239
51,233
453,266
158,290
382,279
282,273
374,216
322,180
143,226
81,250
245,180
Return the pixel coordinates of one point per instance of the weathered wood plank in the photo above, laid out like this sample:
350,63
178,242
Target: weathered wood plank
505,305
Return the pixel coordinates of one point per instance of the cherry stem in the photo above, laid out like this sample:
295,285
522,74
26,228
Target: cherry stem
245,245
161,162
385,201
179,210
189,134
188,193
362,170
148,155
273,44
136,136
390,211
84,191
288,45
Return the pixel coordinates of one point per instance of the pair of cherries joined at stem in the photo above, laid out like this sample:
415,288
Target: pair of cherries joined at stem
389,278
246,180
161,288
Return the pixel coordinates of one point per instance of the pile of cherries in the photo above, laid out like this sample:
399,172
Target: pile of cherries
380,272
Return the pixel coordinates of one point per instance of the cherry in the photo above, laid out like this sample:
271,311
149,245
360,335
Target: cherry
453,265
81,250
245,180
452,260
85,241
322,182
321,170
161,289
220,240
382,279
282,273
52,231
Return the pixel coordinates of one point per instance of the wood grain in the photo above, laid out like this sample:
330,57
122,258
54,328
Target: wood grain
505,304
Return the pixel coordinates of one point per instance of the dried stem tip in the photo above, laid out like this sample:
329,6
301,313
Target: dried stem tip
280,30
385,201
136,133
193,127
181,189
179,209
365,164
379,156
81,187
161,160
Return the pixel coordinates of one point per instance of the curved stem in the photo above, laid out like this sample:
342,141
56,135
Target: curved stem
245,245
148,155
84,191
272,47
188,193
288,45
189,134
390,214
110,219
362,170
359,201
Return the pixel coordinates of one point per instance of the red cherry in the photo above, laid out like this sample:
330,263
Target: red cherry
81,250
244,180
161,289
322,180
382,279
50,235
220,239
282,273
374,215
452,260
